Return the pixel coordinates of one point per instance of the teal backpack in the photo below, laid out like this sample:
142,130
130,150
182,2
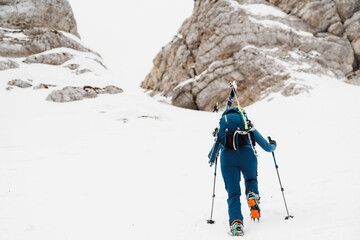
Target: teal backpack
235,129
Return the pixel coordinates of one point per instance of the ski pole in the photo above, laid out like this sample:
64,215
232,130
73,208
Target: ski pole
210,221
282,189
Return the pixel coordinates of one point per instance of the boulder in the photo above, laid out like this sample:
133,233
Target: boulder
19,83
67,94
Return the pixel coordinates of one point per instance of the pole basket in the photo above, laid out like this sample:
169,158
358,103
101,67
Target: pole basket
210,221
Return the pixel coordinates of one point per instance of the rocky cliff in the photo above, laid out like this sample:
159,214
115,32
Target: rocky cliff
27,14
40,48
266,46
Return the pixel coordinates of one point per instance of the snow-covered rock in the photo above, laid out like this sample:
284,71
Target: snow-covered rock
51,58
19,83
69,94
43,86
110,90
7,64
39,39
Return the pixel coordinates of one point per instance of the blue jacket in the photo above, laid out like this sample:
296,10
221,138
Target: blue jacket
264,144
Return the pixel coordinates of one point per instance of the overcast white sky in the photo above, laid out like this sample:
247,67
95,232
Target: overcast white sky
129,34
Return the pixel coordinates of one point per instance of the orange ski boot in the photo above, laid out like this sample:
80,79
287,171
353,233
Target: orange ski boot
254,204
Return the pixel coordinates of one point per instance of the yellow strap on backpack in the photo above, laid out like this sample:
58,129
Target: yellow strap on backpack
243,117
234,136
241,111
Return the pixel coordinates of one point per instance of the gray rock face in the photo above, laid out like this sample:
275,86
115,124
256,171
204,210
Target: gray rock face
347,8
352,26
319,14
258,45
334,16
28,14
23,43
30,27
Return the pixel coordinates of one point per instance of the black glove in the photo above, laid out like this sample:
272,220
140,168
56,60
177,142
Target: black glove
272,141
215,132
250,125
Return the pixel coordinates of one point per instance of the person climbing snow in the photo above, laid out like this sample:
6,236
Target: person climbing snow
237,138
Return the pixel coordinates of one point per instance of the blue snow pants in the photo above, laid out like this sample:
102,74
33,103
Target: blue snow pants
233,163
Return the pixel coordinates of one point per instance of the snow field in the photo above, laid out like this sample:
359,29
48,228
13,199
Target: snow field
125,165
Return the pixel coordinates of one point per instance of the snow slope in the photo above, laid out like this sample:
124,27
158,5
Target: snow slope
127,167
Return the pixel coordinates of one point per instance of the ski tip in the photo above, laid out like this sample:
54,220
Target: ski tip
233,84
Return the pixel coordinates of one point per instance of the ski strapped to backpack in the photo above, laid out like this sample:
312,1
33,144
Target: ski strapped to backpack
216,146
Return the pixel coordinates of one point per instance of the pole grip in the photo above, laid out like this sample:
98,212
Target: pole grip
269,138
